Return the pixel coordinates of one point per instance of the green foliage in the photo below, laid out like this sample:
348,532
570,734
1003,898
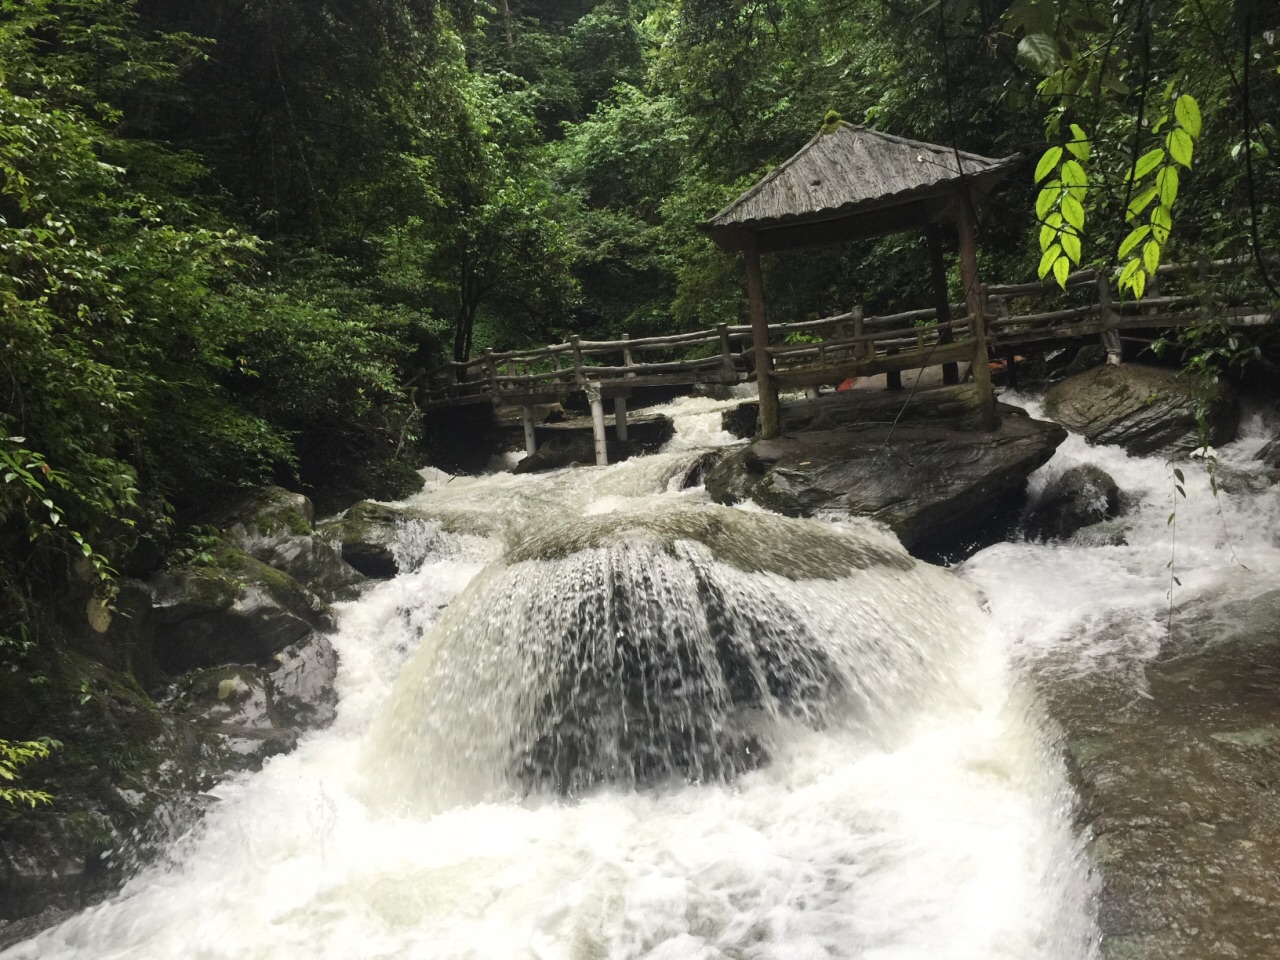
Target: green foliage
14,755
1060,207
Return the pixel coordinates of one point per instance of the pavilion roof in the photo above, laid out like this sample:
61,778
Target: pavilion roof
851,181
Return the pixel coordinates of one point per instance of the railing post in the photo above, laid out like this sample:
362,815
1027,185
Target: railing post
861,351
726,354
627,361
1107,315
491,366
597,425
530,436
766,385
973,297
577,359
1202,270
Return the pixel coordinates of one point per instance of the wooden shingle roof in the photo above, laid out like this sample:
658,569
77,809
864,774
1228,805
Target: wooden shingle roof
851,181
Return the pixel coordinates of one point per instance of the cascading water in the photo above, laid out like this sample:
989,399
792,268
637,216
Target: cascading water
602,718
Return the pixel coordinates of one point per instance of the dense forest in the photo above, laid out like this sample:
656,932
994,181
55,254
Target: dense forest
237,234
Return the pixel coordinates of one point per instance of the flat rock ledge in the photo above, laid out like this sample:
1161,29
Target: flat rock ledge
1179,786
937,485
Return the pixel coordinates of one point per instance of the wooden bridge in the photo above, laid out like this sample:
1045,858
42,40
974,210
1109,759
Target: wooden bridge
811,353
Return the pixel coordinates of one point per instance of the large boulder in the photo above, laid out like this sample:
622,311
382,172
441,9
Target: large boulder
1141,408
568,450
275,527
932,484
235,610
1076,498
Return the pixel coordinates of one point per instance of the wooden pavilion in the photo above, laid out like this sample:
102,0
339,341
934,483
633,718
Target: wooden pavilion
851,183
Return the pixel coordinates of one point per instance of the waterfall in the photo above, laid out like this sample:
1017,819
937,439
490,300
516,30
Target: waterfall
601,717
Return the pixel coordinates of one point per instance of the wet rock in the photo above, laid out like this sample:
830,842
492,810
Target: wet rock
571,450
1076,498
1141,408
275,527
1270,454
741,420
302,684
932,484
238,610
1178,784
1086,358
233,704
366,536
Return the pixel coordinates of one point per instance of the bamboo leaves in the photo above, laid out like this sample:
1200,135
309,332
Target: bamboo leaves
1060,205
1141,249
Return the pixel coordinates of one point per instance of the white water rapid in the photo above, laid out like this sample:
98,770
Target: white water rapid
597,720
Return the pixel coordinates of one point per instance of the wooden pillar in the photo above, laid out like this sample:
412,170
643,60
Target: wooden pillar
620,417
941,298
765,384
1110,334
977,318
597,427
530,437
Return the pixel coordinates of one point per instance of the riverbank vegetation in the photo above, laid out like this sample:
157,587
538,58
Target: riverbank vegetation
237,236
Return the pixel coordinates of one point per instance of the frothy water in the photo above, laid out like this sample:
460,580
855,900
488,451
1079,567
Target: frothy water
604,718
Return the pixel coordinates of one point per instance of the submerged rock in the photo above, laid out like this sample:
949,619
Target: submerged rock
1270,454
1177,769
570,450
932,484
1076,498
1141,408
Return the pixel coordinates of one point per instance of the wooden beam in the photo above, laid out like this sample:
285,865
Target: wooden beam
765,384
941,300
977,313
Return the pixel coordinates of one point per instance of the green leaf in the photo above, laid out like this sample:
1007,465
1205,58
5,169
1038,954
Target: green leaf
1167,183
1073,211
1179,476
1062,270
1161,223
1048,162
1146,163
1139,203
1135,237
1047,236
1130,268
1188,113
1180,146
1073,174
1045,201
1039,52
1079,144
1138,284
1151,257
1071,246
1047,260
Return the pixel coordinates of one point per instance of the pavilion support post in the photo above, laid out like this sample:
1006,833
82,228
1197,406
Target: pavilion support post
977,319
597,427
1110,331
941,299
765,383
530,436
620,417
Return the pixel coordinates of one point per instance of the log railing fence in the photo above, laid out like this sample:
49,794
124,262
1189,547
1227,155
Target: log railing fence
808,353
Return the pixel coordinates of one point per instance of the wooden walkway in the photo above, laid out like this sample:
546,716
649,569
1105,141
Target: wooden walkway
811,353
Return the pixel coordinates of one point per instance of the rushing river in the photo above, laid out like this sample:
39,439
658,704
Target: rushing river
598,719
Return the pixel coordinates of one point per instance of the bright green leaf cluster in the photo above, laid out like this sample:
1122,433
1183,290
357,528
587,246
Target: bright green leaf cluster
1060,205
1140,251
15,754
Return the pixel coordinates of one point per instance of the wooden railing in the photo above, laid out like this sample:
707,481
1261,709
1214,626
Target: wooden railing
811,352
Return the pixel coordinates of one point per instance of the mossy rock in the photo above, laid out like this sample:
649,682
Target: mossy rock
238,610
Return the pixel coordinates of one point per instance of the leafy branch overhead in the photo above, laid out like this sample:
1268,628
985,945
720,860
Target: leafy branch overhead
1140,251
1060,205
